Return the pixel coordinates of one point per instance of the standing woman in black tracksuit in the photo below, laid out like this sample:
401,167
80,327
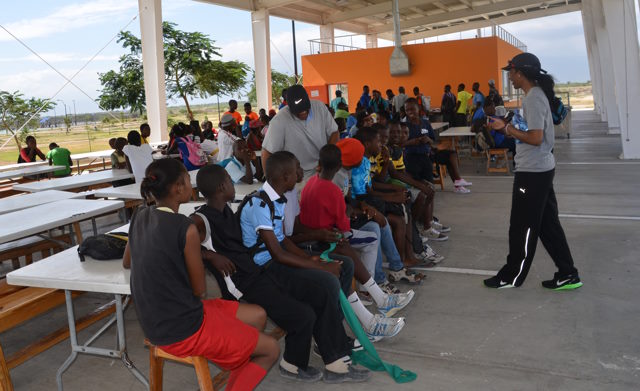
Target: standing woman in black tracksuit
534,209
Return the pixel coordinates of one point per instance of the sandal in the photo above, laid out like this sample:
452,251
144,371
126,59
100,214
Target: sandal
406,275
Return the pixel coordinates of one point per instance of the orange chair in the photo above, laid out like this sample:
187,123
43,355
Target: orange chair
156,360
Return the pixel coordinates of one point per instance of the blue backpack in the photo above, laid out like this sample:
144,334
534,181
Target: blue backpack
558,110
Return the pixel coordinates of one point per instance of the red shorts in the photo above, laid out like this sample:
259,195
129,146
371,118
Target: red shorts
222,337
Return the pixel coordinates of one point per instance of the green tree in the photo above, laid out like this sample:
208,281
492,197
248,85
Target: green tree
190,70
15,111
67,123
279,81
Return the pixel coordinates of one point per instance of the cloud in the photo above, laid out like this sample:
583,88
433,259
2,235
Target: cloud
281,49
70,17
59,57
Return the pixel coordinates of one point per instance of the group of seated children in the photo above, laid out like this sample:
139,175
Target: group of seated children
360,205
57,156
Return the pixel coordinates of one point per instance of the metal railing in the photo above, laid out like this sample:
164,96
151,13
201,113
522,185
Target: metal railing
345,43
510,38
317,45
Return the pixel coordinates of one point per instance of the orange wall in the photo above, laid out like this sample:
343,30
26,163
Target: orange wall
432,66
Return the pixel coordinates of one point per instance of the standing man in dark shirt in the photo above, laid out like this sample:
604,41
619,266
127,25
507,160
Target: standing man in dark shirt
365,98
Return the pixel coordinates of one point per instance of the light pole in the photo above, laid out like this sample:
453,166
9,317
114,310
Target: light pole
55,120
75,118
65,107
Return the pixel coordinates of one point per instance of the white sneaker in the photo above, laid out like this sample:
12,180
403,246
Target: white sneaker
433,234
380,326
462,182
394,303
432,255
440,227
461,190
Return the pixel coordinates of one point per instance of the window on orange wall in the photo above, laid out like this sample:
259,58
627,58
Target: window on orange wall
343,87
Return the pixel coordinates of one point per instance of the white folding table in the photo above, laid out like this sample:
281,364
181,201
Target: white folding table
24,201
65,271
456,133
438,126
132,191
95,155
75,181
29,170
42,218
14,166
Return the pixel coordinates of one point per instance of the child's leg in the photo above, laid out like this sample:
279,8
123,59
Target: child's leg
248,376
398,229
360,272
253,315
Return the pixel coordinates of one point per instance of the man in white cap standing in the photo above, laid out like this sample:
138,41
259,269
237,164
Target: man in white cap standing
227,135
302,128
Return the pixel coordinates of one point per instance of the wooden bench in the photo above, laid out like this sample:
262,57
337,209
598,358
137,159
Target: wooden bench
201,365
502,160
29,246
20,304
441,173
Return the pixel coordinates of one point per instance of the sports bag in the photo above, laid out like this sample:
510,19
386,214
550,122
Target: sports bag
558,110
197,157
104,246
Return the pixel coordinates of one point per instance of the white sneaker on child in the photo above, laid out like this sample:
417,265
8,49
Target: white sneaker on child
462,182
461,190
394,303
380,326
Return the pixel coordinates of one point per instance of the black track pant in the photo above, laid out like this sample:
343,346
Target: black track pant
534,213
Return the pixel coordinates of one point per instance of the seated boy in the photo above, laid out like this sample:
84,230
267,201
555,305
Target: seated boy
368,218
322,208
59,157
391,168
262,232
242,166
385,198
300,311
138,155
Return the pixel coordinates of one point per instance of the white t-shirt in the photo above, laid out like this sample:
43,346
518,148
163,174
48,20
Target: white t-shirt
139,158
225,143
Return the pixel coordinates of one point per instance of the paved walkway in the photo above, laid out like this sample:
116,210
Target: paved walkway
460,335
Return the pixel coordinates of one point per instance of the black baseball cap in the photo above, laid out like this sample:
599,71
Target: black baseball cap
298,99
525,61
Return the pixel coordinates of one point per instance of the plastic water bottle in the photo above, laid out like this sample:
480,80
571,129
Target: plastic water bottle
519,123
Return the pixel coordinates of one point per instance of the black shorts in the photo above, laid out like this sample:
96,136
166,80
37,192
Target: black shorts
419,166
443,156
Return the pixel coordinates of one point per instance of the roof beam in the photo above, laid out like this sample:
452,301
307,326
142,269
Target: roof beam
371,10
268,4
459,15
486,23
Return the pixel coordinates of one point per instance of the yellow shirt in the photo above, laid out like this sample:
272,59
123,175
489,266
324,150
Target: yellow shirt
463,98
144,140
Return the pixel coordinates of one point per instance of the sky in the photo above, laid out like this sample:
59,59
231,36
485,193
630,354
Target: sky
68,33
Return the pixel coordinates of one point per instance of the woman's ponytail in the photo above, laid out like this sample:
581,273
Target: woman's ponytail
546,82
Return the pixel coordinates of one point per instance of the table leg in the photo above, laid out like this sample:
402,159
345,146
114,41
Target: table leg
73,337
94,226
122,343
78,232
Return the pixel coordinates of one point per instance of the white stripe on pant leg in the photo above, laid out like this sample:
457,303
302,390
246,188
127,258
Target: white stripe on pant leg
526,243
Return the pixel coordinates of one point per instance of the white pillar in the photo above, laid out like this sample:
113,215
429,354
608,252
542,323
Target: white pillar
594,61
372,41
622,28
607,82
262,57
327,37
153,60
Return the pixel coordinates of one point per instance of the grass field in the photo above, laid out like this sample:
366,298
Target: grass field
95,137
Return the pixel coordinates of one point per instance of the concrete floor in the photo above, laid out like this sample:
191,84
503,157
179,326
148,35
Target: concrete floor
460,335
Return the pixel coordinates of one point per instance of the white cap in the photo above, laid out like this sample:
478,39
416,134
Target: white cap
492,82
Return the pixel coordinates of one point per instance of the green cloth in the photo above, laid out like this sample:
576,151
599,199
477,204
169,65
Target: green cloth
341,114
60,157
368,356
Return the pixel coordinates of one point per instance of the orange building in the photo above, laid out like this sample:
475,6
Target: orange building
432,66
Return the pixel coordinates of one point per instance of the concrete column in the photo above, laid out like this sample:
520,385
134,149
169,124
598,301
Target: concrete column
327,37
153,60
622,28
262,57
594,61
607,82
372,41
